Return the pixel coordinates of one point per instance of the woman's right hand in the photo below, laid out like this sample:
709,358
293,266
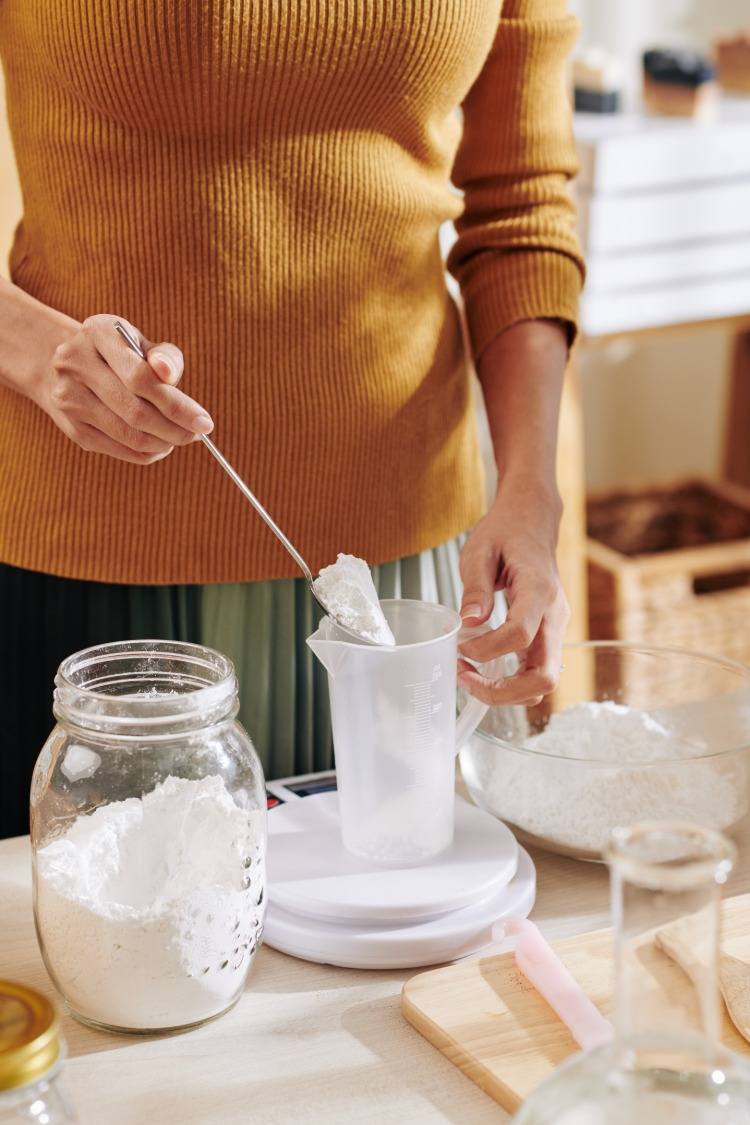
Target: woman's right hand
107,400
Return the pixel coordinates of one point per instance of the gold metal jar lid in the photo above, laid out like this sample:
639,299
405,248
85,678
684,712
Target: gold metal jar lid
29,1035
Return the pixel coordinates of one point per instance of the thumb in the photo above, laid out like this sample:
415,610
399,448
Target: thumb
478,573
166,361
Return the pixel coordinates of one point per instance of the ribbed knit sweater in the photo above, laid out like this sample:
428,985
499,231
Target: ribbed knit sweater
262,182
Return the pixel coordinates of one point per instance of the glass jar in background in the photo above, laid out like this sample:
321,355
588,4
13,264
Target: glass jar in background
148,831
665,1065
31,1056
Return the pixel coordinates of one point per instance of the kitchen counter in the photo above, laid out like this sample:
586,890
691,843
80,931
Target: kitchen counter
306,1043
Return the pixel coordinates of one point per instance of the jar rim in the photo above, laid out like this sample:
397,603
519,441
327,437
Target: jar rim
670,855
141,683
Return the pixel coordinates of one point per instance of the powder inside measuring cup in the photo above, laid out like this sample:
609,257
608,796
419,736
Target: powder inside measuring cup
348,592
150,909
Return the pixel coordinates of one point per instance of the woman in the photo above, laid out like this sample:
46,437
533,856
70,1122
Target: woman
261,186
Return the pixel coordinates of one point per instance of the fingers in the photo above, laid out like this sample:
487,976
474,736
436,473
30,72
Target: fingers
167,361
528,686
539,673
521,688
479,565
97,383
87,409
84,389
94,441
142,381
525,612
172,403
136,413
544,656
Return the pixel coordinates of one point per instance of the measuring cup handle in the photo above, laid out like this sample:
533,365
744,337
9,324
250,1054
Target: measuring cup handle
473,711
468,719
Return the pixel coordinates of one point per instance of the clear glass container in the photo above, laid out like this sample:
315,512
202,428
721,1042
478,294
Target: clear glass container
633,732
31,1057
148,830
665,1065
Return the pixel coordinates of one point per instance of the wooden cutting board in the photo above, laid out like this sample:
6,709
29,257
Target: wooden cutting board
492,1024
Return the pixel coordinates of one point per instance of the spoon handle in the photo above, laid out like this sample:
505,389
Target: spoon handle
231,472
250,495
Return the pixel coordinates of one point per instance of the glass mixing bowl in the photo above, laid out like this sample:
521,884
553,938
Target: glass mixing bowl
633,732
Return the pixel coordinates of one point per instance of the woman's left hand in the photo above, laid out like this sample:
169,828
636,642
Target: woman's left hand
513,549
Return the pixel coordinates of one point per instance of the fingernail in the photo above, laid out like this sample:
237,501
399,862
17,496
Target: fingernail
202,424
163,366
470,612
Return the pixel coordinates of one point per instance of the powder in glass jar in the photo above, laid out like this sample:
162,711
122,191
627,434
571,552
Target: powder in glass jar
150,910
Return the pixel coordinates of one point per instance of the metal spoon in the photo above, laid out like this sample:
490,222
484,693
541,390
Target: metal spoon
247,492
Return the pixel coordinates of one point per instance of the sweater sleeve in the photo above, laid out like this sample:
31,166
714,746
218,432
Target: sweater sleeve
517,256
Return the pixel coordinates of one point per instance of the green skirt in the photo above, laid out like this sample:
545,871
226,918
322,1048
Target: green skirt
261,626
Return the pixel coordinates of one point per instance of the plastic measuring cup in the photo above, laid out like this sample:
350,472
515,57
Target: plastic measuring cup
396,733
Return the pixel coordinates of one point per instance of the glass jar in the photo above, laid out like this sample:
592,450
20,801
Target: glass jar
148,831
31,1057
665,1065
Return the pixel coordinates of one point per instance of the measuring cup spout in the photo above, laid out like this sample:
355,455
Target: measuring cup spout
334,654
339,654
328,653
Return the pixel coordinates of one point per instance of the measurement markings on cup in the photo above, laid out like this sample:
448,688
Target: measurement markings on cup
424,705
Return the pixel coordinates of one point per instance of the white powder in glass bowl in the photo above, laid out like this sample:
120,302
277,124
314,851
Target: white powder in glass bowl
150,910
599,765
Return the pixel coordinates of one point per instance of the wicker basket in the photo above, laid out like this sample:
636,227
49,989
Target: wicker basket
671,566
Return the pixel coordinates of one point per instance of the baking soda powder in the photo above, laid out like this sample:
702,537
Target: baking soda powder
150,910
632,775
348,592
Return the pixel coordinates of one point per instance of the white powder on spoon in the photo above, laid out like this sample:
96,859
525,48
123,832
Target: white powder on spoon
151,909
347,591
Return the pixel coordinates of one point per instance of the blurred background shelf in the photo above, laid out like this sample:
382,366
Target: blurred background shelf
671,563
664,217
582,565
630,152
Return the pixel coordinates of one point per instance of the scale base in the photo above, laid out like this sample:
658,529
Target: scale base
332,908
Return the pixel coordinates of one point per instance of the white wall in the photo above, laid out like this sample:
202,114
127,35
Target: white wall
656,410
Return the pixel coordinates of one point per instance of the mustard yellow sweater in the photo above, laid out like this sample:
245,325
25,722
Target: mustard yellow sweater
262,182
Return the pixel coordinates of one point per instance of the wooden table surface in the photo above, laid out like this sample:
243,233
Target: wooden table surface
307,1043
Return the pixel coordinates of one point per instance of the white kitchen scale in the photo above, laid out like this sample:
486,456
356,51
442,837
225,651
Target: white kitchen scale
329,906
